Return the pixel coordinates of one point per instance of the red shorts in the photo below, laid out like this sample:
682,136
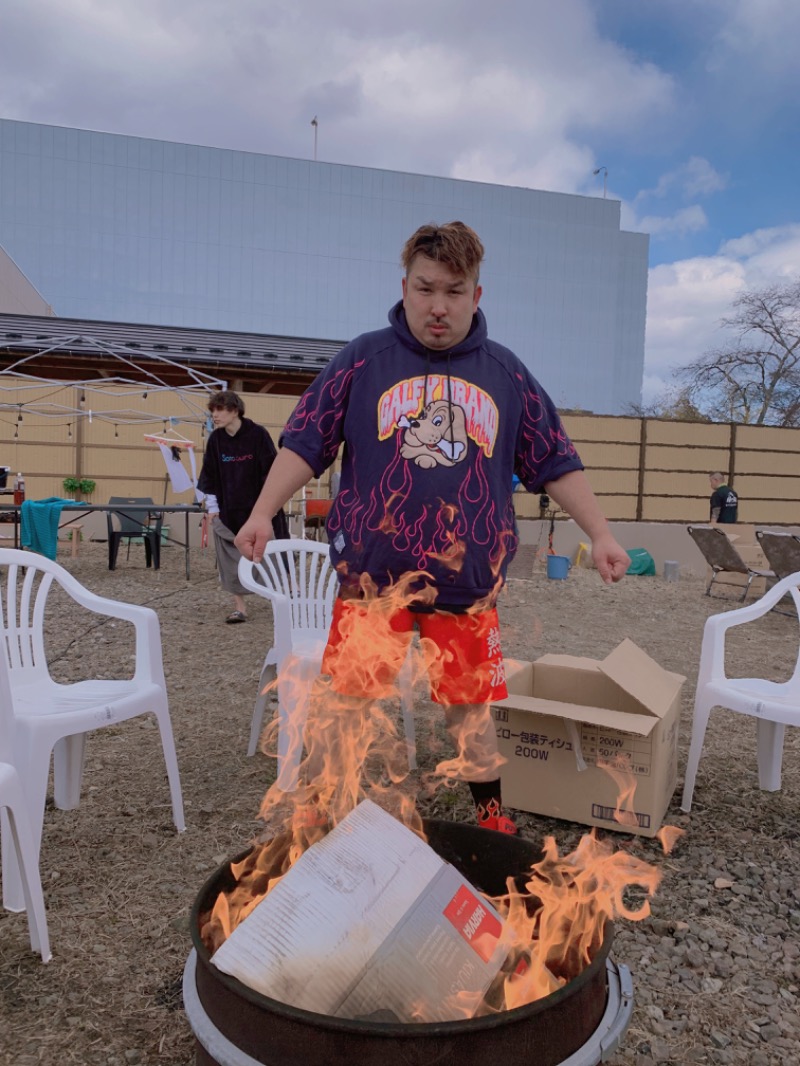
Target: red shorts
367,647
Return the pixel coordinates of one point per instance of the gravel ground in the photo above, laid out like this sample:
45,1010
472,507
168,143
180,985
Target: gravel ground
716,967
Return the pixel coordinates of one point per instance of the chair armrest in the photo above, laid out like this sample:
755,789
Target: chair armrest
147,628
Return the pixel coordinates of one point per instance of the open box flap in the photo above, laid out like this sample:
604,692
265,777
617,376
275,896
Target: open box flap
639,724
642,677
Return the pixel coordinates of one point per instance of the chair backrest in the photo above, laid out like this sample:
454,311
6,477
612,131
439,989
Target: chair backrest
712,661
300,571
717,550
782,551
6,709
129,524
25,582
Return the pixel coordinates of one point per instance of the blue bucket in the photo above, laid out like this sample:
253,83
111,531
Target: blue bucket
557,567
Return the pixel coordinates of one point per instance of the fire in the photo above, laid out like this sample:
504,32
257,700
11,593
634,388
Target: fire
575,897
555,919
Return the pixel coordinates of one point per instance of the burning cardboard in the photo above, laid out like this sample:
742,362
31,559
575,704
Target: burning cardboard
370,919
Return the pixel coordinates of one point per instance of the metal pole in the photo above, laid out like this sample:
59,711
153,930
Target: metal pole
605,179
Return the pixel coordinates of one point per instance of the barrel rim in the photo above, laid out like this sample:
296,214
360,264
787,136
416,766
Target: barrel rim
393,1029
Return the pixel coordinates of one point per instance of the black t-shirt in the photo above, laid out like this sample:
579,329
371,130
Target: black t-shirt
726,501
235,469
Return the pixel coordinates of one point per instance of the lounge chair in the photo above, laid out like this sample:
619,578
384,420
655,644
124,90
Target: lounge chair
723,558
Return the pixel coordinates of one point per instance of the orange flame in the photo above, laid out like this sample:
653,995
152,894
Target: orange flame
554,921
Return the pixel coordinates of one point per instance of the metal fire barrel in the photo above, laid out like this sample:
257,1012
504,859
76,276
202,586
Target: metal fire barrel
578,1025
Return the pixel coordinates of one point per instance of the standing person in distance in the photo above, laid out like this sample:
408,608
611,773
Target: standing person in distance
724,503
435,419
238,457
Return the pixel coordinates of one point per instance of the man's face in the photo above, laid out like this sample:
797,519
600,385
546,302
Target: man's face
439,304
222,417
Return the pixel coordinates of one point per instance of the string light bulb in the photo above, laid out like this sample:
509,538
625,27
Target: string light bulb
116,433
69,429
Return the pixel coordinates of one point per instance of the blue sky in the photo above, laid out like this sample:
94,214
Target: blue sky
692,105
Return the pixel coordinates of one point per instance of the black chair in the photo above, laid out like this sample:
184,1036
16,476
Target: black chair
723,558
133,524
782,551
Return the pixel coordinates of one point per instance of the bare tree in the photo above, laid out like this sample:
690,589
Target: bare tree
756,377
673,403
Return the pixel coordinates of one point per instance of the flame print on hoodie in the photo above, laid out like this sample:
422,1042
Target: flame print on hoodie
430,442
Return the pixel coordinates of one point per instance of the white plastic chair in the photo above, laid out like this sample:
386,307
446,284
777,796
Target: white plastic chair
774,704
52,718
297,578
17,826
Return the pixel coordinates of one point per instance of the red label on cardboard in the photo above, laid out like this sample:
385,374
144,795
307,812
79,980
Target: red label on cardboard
474,921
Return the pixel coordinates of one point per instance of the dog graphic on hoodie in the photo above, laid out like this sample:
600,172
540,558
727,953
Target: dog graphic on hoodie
436,437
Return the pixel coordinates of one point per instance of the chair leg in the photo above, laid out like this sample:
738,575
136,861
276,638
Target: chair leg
113,550
68,757
34,779
148,551
702,712
295,683
769,750
256,725
405,682
171,761
17,827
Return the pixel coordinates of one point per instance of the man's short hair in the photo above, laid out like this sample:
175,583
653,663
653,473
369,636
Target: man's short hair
227,400
454,244
717,476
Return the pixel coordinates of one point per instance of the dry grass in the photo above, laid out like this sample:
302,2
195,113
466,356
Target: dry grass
119,881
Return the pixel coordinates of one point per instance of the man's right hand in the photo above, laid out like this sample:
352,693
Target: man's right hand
253,538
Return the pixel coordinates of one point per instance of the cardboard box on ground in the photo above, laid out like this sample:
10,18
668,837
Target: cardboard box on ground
568,719
370,920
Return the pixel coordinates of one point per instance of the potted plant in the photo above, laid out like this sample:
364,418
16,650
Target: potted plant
83,485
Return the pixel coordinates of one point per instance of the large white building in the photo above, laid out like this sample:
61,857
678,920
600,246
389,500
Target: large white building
134,230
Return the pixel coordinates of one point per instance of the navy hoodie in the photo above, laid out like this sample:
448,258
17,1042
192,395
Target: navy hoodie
431,441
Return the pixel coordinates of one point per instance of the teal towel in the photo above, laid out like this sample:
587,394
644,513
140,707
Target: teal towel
39,524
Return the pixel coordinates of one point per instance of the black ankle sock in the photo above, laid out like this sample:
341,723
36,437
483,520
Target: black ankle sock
484,791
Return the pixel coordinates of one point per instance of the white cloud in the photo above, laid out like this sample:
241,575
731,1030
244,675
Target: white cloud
692,179
446,88
687,299
700,178
761,33
695,177
683,221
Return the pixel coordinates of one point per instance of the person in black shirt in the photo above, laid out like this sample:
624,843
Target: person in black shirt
238,458
724,502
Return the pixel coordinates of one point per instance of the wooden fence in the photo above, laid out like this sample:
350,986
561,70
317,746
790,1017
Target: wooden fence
642,469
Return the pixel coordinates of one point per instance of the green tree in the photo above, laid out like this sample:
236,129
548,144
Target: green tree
755,378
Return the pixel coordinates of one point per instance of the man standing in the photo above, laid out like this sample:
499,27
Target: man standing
435,420
238,458
724,502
